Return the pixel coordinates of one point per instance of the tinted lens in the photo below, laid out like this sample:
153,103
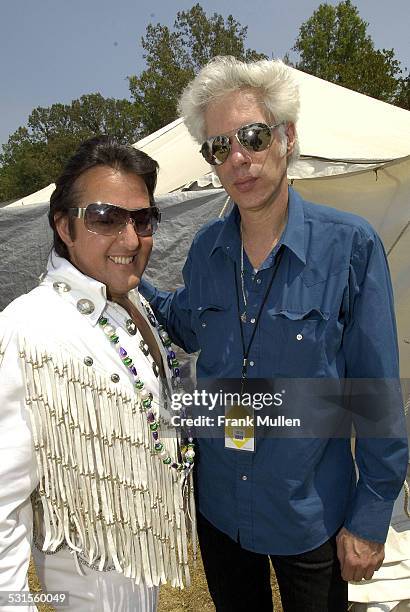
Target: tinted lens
145,220
105,219
255,137
108,220
206,153
221,148
215,151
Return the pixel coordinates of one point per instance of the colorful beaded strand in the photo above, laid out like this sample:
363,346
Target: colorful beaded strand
188,452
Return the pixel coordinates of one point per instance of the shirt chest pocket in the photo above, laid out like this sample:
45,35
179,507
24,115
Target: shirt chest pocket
301,337
214,332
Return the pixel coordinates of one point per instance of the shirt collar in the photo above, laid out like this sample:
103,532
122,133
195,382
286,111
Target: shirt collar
228,238
293,237
75,287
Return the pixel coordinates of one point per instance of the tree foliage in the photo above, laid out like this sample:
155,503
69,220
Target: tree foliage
35,154
333,44
174,56
403,93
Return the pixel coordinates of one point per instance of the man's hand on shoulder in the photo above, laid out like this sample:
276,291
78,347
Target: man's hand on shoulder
358,558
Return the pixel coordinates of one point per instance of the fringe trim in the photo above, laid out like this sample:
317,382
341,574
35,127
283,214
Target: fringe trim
103,489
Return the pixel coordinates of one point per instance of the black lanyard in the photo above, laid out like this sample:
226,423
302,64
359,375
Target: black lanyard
245,350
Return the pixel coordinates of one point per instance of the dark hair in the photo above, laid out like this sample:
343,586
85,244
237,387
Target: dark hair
97,151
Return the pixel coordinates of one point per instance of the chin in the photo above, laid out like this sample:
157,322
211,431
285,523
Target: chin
122,290
249,204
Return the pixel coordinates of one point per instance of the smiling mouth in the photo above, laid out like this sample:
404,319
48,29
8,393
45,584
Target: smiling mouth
121,260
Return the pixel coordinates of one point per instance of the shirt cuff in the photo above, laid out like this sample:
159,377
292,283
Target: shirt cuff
369,517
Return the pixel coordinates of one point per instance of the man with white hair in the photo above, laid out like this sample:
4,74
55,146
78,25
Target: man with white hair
284,288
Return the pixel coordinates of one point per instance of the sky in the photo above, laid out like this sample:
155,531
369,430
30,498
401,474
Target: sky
57,50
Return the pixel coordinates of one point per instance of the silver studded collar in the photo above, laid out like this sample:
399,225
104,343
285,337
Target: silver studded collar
87,295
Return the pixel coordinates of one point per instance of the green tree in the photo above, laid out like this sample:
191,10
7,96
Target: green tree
333,44
403,94
174,56
35,154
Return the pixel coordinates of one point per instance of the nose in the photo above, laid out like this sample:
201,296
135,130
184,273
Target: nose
129,236
239,155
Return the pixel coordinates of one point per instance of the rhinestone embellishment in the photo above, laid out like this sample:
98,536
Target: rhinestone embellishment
61,287
144,347
131,327
85,306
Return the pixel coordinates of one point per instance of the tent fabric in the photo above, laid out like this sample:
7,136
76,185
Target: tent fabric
340,124
340,131
26,240
38,197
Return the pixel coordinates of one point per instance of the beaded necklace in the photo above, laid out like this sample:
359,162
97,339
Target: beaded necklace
187,451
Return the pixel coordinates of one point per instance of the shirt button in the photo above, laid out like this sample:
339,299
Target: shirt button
259,280
251,363
299,337
253,320
203,324
244,477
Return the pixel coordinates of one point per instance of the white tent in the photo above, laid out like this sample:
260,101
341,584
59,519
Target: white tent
339,130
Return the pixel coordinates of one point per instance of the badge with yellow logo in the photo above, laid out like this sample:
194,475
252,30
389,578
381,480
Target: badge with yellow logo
239,427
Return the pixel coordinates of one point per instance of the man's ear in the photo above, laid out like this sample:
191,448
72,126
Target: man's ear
62,226
290,138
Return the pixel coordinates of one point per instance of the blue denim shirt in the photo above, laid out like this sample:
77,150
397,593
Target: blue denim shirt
329,314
